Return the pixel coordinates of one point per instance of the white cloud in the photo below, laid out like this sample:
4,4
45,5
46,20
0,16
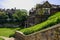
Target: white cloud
20,4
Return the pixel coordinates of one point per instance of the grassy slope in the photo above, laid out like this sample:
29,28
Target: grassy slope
51,21
8,31
1,39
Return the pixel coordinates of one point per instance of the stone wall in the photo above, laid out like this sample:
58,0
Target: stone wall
9,25
51,33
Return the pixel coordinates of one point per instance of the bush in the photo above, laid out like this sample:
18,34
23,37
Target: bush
55,19
54,16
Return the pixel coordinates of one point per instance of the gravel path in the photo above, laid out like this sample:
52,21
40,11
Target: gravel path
6,38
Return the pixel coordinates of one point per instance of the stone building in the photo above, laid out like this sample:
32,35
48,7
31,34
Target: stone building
41,13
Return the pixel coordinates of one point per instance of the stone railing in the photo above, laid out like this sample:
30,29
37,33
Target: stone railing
51,33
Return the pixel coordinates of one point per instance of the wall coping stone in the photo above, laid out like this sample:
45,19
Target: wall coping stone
54,26
20,33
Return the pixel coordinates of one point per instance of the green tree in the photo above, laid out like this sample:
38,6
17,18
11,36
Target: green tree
3,15
20,15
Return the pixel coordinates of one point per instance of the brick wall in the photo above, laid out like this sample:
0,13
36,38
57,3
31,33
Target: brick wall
51,33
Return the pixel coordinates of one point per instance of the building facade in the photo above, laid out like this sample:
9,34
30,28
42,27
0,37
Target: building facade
41,13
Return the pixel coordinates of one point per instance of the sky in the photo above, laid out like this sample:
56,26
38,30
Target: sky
24,4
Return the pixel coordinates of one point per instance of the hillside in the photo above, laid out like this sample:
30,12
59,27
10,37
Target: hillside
55,19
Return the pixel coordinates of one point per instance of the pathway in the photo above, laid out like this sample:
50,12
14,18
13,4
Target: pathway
6,38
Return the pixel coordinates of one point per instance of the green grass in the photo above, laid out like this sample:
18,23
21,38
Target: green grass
55,19
1,39
8,31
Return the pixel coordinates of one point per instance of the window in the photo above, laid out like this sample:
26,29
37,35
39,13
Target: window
46,11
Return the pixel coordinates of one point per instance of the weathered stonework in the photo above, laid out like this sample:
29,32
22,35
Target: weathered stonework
51,33
40,13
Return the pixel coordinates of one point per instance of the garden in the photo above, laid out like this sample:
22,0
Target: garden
9,32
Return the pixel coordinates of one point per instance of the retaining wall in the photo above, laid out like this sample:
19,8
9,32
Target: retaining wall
51,33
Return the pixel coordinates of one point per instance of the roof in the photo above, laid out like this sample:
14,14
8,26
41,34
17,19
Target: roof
48,5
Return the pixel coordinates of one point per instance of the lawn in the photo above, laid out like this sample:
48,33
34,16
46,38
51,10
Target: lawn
8,31
1,39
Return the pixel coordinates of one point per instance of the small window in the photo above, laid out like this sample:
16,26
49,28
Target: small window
46,11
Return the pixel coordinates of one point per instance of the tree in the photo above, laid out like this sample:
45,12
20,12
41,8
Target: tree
20,15
3,15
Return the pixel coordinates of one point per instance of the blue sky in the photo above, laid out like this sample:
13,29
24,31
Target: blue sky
24,4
